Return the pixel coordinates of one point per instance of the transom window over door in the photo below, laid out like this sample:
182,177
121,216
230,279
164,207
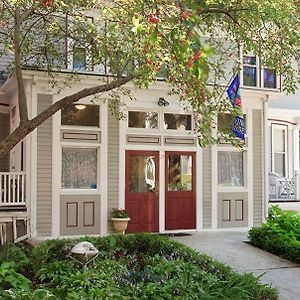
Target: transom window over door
141,119
177,121
279,149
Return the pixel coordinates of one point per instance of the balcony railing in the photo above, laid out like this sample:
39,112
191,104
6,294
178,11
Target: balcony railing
12,189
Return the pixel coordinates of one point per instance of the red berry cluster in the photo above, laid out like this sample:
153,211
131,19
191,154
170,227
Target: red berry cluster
153,19
195,57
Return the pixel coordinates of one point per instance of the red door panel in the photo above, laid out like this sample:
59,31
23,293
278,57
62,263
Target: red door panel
141,194
180,195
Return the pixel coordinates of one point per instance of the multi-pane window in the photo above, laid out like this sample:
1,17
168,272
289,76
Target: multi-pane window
80,115
178,121
256,75
140,119
231,168
79,168
279,147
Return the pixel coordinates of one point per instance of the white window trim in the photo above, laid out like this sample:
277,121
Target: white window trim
285,128
259,73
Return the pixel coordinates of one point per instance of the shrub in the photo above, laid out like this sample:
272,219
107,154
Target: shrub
280,235
9,278
12,253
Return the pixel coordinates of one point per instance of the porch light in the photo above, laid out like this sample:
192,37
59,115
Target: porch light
84,253
162,102
80,106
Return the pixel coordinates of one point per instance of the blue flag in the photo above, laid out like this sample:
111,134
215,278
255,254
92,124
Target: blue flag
238,127
233,92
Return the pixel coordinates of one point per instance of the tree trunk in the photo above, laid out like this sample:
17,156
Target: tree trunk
28,126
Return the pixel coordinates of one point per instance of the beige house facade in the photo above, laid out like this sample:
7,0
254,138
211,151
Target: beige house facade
64,179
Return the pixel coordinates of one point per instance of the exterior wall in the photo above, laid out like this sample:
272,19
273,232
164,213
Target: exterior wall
207,195
4,131
44,170
257,168
113,165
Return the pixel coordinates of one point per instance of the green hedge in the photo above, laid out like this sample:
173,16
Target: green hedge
279,235
137,266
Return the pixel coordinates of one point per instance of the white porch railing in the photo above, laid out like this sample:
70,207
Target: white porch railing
12,189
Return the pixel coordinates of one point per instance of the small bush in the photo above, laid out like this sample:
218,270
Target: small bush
279,235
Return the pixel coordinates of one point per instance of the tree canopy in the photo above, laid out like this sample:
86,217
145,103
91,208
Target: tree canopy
189,43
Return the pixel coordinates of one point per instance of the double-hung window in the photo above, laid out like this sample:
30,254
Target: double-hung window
279,149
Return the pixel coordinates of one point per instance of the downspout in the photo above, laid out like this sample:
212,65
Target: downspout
265,159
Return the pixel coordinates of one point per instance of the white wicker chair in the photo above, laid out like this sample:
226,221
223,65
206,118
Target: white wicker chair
277,186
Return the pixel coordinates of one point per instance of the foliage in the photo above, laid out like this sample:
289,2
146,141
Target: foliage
39,294
9,278
12,253
279,235
137,266
188,43
119,213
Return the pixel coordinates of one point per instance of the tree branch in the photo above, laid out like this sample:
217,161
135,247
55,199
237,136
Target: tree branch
28,126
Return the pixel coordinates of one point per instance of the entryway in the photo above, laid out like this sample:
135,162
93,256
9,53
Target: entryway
180,195
142,176
141,190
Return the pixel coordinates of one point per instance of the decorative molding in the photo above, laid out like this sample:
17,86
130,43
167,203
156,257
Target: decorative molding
179,141
143,139
69,204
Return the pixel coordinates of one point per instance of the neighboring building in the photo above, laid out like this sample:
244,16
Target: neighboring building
67,175
283,138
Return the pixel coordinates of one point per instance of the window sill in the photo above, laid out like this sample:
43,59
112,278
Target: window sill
80,192
231,189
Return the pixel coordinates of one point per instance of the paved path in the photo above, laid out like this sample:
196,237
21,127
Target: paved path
229,248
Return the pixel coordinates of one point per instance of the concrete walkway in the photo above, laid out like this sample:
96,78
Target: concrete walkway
229,248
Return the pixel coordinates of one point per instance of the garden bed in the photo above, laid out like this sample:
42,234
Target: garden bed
280,235
140,266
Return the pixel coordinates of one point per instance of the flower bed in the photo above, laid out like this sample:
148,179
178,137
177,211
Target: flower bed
140,266
279,235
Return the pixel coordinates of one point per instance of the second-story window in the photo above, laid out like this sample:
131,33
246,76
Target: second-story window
250,70
79,58
257,75
269,78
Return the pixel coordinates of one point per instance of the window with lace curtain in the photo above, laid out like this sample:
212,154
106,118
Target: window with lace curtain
79,168
231,168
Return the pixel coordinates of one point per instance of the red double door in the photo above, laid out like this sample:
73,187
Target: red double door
142,190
